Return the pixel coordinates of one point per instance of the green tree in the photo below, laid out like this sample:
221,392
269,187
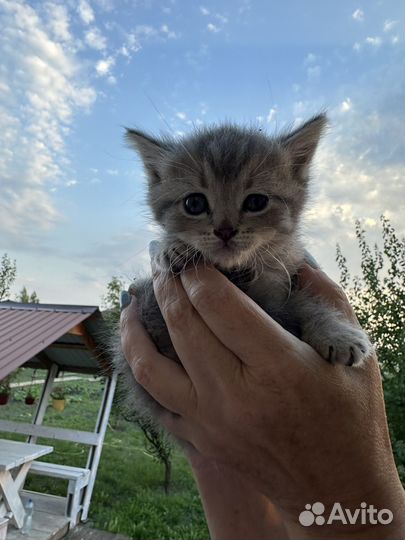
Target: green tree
8,272
111,300
26,298
378,298
156,442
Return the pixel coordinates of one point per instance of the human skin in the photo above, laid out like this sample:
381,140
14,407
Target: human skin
263,412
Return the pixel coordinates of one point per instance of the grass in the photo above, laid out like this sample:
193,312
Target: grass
128,497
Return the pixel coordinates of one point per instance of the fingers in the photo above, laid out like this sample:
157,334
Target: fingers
238,322
151,369
319,284
193,341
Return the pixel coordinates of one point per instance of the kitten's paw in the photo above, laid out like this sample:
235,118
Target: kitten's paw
345,345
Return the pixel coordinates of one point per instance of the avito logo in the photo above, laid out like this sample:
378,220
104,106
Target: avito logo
366,514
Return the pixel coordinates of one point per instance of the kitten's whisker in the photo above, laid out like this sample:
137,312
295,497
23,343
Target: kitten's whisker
267,250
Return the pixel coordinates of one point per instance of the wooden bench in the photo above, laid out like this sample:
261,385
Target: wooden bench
78,480
77,477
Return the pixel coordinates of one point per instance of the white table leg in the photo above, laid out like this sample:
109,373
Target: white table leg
21,475
12,498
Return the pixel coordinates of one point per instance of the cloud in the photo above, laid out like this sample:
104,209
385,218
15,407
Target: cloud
58,21
181,115
85,12
221,18
213,28
204,11
95,39
272,115
169,33
358,15
358,170
103,258
374,41
311,58
389,25
35,115
103,66
346,105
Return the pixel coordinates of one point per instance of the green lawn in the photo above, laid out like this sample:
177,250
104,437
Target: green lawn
128,497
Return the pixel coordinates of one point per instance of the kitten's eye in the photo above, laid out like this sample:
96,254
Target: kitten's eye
195,204
255,202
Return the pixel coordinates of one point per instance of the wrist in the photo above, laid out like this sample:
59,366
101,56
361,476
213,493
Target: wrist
375,516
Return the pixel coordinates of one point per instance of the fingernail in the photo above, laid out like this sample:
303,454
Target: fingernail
125,299
311,261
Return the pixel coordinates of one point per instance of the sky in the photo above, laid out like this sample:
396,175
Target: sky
73,74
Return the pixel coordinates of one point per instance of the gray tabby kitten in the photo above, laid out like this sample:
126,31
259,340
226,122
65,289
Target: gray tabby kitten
233,197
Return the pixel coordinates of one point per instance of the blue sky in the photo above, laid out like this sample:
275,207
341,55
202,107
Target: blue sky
73,73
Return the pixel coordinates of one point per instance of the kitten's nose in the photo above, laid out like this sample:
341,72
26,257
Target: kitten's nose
225,233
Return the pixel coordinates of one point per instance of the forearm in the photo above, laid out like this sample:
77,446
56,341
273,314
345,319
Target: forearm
234,510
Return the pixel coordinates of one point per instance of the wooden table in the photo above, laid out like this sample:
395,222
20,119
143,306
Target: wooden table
15,461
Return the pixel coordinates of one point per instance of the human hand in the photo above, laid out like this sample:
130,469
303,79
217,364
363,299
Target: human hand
252,396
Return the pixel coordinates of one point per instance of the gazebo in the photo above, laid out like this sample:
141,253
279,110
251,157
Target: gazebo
56,338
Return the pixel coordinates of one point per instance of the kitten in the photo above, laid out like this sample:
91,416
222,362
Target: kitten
233,197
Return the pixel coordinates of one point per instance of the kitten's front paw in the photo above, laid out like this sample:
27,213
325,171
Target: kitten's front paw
344,344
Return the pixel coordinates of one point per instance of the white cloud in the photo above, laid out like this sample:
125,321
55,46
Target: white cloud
389,25
204,10
311,58
71,183
169,33
95,39
145,30
374,41
58,21
356,46
35,118
85,12
213,28
221,18
346,105
104,66
112,172
272,115
358,15
181,115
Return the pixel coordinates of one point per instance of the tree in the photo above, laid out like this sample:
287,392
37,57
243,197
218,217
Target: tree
156,442
111,300
378,298
26,298
8,272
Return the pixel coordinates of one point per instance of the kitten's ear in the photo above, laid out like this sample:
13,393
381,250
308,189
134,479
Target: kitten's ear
302,142
150,149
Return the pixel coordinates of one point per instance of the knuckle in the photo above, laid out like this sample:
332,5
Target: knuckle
203,297
141,370
176,313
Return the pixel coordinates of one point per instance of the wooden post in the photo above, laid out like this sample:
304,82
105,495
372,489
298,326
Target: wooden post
43,400
95,451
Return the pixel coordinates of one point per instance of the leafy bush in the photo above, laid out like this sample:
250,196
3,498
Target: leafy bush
378,297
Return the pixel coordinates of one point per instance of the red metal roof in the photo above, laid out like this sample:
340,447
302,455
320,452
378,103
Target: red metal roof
28,329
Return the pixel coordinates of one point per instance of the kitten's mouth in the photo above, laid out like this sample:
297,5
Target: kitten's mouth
226,255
